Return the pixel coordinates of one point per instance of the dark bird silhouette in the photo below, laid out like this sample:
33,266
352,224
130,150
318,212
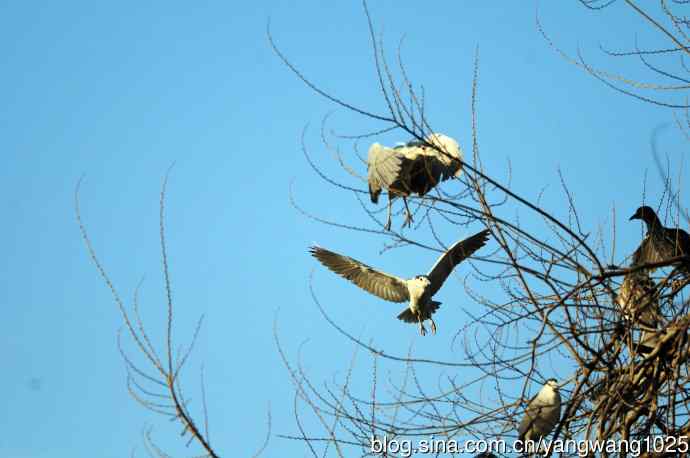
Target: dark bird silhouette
660,243
419,290
412,168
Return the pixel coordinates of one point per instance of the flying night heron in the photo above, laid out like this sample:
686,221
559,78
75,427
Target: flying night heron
637,297
661,242
542,414
412,168
418,290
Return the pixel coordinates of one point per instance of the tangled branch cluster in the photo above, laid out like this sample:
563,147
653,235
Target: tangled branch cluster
560,308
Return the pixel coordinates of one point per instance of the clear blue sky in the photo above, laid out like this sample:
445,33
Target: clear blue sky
120,91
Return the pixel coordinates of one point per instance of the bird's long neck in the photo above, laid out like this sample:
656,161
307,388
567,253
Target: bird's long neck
653,223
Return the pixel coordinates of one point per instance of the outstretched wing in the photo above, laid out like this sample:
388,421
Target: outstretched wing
384,165
388,287
451,258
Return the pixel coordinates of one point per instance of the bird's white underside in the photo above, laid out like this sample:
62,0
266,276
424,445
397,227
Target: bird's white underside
417,287
542,414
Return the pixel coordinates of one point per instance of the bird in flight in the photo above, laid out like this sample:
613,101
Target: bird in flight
415,167
661,242
542,414
418,290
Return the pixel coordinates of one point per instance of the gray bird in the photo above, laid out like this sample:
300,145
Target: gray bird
639,303
412,168
542,414
418,290
660,243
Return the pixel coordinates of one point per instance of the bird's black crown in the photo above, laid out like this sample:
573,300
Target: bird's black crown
644,213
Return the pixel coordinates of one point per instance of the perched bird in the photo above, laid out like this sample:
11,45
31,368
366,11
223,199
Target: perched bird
414,167
418,290
542,414
639,303
660,243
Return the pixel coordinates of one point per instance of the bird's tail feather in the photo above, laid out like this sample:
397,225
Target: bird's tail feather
408,317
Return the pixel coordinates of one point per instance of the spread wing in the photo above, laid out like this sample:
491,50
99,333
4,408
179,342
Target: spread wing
413,167
388,287
454,256
384,166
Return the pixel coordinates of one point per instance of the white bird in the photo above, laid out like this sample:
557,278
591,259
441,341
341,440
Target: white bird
542,414
639,304
415,167
418,290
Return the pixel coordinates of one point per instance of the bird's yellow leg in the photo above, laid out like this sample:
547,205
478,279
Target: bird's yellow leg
387,227
422,329
433,325
408,214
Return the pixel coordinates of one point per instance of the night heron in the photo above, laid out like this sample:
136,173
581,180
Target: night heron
542,414
637,297
418,290
660,243
414,167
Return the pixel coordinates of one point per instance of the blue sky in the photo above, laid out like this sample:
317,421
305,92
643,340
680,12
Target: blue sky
118,92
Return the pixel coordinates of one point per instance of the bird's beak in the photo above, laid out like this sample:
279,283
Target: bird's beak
633,217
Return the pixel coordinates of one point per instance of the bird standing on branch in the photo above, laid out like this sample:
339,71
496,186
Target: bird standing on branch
415,167
418,290
542,414
639,302
660,243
